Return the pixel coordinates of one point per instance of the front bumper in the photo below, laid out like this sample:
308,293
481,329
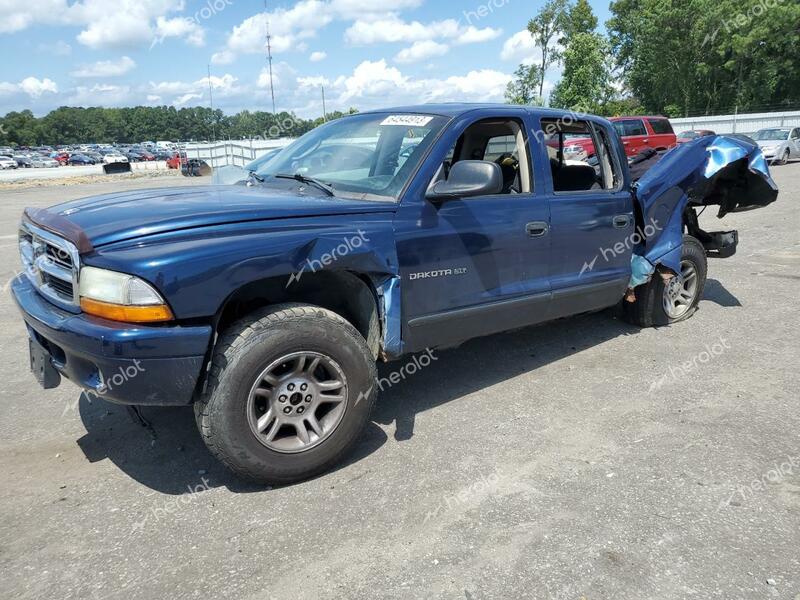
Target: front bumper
119,362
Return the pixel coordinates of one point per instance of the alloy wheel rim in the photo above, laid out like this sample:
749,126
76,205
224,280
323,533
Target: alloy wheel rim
297,402
680,292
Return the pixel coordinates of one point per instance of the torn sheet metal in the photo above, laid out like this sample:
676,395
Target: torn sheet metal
723,170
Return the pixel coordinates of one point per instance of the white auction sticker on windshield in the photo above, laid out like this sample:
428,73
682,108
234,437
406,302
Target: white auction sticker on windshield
407,120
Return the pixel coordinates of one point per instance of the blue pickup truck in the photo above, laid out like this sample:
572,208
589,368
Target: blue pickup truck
267,303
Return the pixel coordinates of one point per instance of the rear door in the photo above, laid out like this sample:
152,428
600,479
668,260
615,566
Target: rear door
794,142
634,135
591,223
662,136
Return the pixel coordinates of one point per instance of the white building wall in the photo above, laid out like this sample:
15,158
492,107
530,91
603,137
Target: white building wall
744,123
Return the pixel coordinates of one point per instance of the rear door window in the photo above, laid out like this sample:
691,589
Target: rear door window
629,127
661,126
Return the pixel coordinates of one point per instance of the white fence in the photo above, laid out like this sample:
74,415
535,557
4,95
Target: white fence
232,152
744,123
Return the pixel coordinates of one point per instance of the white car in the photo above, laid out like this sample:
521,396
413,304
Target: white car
114,157
7,162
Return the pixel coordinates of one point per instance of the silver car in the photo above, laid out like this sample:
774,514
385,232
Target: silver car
779,144
40,162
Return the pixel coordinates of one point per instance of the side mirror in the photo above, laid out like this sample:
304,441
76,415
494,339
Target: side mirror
468,178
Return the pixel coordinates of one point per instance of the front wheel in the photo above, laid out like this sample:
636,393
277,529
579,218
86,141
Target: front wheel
663,302
785,157
290,389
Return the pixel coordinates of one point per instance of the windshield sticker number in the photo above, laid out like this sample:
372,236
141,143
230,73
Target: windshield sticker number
407,120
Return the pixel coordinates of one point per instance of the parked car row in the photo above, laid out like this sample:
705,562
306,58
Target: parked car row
84,154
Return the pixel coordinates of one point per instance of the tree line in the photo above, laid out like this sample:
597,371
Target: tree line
69,125
677,58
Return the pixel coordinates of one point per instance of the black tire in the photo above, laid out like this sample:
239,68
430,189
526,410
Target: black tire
648,310
243,351
785,157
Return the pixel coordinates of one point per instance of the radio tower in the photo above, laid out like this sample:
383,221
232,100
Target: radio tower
269,58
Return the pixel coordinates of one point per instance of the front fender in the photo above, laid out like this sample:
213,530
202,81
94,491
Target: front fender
197,270
726,171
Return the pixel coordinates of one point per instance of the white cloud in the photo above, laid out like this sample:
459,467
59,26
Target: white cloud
185,98
374,84
105,68
394,29
419,51
101,94
223,57
153,98
31,86
520,47
289,27
318,56
118,24
179,27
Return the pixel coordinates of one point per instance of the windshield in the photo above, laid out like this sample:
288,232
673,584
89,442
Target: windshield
369,156
771,134
688,135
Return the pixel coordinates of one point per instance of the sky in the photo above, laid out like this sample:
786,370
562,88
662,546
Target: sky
366,54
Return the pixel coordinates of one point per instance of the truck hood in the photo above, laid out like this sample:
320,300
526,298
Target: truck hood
121,216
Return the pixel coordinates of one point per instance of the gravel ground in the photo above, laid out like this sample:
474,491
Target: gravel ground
71,175
585,459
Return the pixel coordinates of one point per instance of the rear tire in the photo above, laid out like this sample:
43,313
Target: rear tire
254,417
653,298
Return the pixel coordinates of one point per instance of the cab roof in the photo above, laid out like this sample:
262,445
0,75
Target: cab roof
457,109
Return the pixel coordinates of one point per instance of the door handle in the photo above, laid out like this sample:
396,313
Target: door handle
537,228
645,140
621,221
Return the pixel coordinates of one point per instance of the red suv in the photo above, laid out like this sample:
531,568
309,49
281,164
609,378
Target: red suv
637,133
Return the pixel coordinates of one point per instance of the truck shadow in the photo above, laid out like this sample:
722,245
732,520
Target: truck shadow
167,454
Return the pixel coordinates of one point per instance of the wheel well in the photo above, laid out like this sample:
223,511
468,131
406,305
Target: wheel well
347,294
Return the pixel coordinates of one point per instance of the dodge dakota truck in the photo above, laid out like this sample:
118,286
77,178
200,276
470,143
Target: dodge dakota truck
267,303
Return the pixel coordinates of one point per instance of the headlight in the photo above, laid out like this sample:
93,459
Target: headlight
121,297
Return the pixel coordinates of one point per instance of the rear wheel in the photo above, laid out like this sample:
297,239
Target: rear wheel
663,302
290,389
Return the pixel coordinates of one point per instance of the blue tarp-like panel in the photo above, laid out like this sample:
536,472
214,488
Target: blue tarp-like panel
716,170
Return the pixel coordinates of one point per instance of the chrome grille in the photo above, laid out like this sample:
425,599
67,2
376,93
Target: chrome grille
52,264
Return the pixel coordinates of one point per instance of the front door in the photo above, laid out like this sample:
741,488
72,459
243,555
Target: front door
474,266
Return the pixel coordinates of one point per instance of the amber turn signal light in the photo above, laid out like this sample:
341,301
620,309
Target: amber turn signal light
157,313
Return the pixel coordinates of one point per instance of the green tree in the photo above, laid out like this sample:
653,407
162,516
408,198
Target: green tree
585,81
544,27
522,89
707,56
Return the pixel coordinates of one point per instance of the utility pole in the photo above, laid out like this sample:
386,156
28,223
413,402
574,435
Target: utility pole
211,102
324,112
269,57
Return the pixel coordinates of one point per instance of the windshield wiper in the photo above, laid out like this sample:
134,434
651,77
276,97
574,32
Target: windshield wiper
305,179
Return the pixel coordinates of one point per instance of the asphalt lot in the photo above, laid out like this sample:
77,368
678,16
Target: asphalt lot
584,459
